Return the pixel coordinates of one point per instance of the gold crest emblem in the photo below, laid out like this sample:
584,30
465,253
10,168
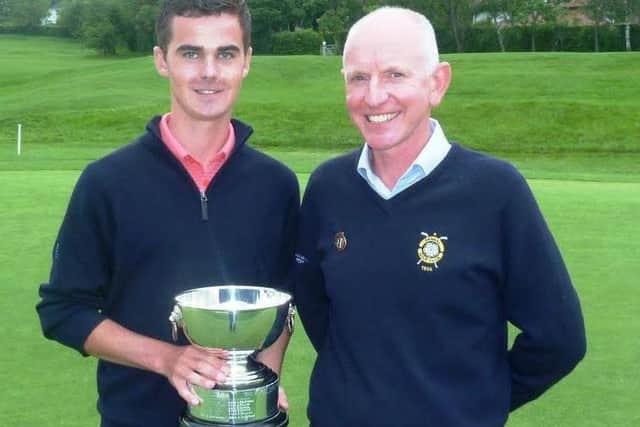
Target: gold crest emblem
340,241
430,251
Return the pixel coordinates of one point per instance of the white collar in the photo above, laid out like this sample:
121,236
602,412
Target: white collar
427,160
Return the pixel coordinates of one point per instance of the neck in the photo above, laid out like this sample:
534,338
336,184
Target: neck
202,139
390,164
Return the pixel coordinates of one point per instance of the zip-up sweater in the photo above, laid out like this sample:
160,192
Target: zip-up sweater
407,300
137,232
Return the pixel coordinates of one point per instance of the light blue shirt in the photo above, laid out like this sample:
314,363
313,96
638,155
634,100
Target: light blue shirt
429,158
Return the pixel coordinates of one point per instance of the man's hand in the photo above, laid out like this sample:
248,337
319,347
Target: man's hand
184,366
191,365
283,402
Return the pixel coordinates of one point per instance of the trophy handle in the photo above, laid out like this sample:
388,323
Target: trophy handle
176,321
291,319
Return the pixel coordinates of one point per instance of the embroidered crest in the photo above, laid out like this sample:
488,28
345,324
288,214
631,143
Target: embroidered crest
430,251
340,241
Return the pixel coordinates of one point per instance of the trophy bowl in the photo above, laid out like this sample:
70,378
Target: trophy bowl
240,319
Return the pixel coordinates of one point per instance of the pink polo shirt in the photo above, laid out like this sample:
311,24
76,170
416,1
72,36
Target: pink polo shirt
201,174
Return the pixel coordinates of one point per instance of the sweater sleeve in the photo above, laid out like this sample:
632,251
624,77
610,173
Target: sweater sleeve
540,300
310,296
283,274
71,302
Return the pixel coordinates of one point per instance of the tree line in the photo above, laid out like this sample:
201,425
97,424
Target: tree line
297,26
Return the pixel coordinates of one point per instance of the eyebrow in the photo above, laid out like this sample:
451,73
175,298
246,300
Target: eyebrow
190,48
229,48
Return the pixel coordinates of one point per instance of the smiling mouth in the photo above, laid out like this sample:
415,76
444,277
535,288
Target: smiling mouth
382,118
207,91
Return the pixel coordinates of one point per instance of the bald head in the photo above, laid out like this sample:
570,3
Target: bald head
412,31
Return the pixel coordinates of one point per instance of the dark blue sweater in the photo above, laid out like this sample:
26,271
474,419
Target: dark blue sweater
407,300
134,237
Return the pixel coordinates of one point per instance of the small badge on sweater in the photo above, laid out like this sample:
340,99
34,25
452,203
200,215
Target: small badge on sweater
340,241
430,251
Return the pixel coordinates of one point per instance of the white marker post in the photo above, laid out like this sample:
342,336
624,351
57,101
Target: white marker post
19,139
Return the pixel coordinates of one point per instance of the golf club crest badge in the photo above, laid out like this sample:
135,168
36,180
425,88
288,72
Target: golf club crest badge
431,249
340,241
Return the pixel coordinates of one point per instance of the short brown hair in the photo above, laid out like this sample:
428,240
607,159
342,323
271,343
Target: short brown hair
196,8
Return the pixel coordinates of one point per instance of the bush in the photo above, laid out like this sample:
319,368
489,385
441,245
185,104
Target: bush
49,30
483,38
299,42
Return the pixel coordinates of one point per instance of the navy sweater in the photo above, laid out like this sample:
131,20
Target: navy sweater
407,300
134,237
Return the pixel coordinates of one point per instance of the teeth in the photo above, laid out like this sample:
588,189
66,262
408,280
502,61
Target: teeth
206,92
381,118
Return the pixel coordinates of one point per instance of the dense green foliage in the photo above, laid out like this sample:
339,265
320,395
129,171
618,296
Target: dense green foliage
298,26
298,42
483,38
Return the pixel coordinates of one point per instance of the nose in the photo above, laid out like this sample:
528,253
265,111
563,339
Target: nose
209,68
376,93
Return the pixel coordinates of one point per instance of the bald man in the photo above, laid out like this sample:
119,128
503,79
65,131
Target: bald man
415,253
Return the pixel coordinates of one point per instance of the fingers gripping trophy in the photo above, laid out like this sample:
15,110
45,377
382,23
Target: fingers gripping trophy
241,320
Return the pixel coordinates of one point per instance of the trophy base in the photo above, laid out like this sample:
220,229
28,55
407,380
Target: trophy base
281,419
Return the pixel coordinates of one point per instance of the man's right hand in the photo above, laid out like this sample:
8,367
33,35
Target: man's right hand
190,365
184,366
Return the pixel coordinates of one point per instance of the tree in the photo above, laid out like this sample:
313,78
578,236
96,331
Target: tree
626,12
496,10
531,13
144,23
4,9
460,17
102,36
599,11
266,20
27,14
340,15
72,17
333,24
107,25
104,27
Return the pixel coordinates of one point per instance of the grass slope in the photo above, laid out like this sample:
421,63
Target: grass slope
513,103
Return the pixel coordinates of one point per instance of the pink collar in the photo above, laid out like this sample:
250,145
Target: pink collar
201,174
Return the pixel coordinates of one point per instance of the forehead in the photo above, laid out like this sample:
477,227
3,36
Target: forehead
206,31
383,46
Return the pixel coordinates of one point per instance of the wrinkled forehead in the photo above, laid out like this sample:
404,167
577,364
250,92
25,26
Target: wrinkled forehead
373,51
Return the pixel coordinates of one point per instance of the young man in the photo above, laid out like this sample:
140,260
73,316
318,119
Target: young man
186,205
414,253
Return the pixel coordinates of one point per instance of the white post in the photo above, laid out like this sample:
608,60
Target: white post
19,139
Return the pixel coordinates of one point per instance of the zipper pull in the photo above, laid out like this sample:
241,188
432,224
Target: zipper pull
203,206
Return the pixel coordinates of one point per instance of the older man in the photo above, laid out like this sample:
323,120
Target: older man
414,253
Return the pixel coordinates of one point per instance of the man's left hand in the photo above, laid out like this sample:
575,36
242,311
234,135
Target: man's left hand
283,402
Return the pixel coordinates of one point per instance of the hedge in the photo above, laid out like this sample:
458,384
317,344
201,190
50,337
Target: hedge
483,38
479,38
299,42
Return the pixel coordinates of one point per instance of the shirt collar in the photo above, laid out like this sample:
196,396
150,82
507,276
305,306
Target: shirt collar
181,153
427,160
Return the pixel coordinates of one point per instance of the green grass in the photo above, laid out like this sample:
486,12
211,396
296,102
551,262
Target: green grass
594,223
570,122
511,103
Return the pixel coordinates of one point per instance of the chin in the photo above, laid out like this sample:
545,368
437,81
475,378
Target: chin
378,142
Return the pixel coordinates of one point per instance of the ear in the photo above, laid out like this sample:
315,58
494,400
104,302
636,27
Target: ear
160,62
247,62
440,80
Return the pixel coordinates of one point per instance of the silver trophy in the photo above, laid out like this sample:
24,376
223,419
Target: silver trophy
240,320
